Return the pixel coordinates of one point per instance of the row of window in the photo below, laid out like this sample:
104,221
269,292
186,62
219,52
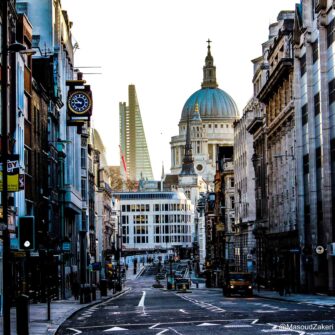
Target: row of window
174,229
222,125
156,207
143,219
172,218
172,239
158,239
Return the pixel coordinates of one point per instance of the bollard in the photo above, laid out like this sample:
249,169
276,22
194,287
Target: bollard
93,290
82,293
22,315
103,287
87,293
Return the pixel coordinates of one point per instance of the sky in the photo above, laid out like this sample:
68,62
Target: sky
160,47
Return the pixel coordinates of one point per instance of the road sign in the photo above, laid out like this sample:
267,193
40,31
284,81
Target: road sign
66,246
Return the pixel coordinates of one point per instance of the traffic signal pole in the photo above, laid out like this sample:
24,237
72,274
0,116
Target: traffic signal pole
4,155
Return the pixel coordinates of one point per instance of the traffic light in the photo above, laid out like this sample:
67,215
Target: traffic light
27,233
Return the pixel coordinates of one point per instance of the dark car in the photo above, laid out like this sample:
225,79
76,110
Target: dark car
238,283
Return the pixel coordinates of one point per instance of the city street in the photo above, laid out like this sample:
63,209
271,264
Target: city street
147,310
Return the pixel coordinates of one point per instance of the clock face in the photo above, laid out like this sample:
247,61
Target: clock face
79,102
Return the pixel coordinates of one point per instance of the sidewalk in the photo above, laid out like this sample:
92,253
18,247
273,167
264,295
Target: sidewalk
312,299
60,310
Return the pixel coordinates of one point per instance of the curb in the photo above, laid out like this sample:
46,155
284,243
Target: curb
55,328
292,300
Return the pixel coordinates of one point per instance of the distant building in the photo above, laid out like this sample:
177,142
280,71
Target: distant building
156,221
211,113
244,184
132,139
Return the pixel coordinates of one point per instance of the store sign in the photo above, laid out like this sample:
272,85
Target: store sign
13,174
66,246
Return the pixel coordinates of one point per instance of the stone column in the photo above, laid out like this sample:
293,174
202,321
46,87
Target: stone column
300,214
326,180
311,144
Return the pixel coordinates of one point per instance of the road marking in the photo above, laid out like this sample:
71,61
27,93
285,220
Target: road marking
152,327
75,330
175,331
205,305
114,329
166,324
184,311
141,303
205,324
161,332
254,322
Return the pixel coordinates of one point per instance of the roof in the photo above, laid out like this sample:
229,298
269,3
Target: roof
213,103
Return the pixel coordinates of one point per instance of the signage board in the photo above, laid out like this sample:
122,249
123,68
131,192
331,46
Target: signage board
66,246
13,173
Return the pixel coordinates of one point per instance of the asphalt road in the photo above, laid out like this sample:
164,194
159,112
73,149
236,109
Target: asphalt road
147,310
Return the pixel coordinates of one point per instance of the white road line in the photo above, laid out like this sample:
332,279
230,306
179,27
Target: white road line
205,324
115,329
181,310
175,331
141,303
152,327
162,332
76,331
254,322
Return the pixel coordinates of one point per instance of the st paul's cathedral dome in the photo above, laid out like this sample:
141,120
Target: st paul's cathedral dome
213,102
209,114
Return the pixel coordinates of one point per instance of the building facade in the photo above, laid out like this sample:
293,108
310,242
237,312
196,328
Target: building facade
52,39
277,97
135,158
156,221
244,184
315,141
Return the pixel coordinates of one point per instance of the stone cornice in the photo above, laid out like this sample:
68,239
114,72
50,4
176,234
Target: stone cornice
284,66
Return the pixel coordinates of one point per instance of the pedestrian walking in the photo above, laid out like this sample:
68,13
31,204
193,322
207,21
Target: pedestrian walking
75,289
280,286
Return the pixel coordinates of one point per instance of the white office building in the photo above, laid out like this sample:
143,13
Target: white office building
156,221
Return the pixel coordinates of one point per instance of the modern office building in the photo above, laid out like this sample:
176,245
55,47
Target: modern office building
134,149
156,221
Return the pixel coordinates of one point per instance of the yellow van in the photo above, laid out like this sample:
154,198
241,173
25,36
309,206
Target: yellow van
237,283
